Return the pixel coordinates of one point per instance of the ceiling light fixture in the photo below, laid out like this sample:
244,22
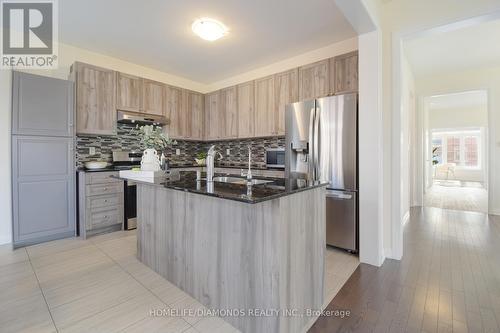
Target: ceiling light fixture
209,29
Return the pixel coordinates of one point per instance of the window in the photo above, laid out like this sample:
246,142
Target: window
460,147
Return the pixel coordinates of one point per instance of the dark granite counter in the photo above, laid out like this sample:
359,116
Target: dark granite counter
277,187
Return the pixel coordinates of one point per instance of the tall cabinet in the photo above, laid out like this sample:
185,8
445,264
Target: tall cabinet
43,171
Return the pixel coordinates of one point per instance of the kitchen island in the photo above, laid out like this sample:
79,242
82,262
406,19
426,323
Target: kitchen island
256,252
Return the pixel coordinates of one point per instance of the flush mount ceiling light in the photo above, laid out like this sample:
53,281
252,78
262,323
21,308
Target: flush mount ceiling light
209,29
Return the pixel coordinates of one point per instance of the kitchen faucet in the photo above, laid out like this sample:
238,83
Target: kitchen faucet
210,163
249,172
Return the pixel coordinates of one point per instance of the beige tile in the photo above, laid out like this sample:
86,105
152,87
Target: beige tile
117,318
164,324
57,246
9,256
119,247
112,235
77,254
15,271
95,280
192,310
26,315
53,275
18,288
97,302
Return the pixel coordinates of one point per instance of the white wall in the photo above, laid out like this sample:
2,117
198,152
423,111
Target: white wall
371,177
482,79
407,135
400,19
459,117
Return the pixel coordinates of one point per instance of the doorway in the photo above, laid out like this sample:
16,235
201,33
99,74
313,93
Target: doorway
456,152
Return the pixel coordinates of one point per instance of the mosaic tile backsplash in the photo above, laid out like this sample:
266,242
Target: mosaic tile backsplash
127,140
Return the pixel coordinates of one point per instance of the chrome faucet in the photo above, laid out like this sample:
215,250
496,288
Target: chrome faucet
249,172
210,163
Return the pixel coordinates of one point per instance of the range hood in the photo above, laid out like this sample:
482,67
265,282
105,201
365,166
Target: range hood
141,118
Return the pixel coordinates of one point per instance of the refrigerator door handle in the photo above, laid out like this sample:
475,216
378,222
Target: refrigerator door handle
312,167
316,143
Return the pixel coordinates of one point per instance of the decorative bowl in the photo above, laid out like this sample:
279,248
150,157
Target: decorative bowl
95,165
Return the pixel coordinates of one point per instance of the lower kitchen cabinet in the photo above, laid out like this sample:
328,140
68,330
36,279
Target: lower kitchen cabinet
100,199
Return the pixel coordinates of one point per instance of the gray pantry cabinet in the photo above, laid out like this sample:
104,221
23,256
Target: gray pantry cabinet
43,168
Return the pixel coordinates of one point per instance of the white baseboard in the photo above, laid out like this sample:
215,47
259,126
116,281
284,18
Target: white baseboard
5,240
494,212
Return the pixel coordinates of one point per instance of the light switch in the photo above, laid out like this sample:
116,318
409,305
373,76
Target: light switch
91,150
177,151
228,151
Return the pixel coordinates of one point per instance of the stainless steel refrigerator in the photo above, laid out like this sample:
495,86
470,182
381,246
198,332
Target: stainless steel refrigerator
322,144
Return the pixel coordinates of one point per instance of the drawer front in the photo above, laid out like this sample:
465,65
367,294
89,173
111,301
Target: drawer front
105,218
102,177
104,201
100,189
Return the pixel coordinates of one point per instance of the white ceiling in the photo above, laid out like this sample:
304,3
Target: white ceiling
467,48
468,99
157,33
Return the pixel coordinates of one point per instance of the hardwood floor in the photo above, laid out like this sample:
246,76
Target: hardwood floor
458,195
447,281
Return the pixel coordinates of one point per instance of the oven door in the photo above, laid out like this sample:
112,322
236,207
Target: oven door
130,197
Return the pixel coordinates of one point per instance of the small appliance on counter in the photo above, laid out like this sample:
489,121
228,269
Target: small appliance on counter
275,158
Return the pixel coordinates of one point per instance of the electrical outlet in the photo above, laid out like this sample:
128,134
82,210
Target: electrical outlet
177,152
91,150
228,151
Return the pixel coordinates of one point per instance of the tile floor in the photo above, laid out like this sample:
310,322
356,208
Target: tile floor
98,285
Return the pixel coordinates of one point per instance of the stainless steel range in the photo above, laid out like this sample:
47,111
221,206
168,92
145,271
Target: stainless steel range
126,160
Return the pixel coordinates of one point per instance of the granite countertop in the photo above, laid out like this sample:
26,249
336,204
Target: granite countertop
278,187
180,166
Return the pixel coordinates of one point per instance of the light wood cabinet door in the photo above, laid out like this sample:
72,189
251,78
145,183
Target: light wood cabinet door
174,111
344,73
153,97
286,91
195,119
229,111
95,100
128,92
314,80
265,119
213,118
246,110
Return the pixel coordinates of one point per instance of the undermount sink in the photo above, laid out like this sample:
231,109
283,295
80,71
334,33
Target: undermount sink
241,181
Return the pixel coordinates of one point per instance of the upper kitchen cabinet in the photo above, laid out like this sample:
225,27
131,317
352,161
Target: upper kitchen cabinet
286,91
228,107
128,92
344,73
192,115
265,119
153,97
174,111
313,80
246,110
95,99
214,121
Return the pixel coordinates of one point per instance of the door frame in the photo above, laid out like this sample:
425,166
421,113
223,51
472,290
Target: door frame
398,38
